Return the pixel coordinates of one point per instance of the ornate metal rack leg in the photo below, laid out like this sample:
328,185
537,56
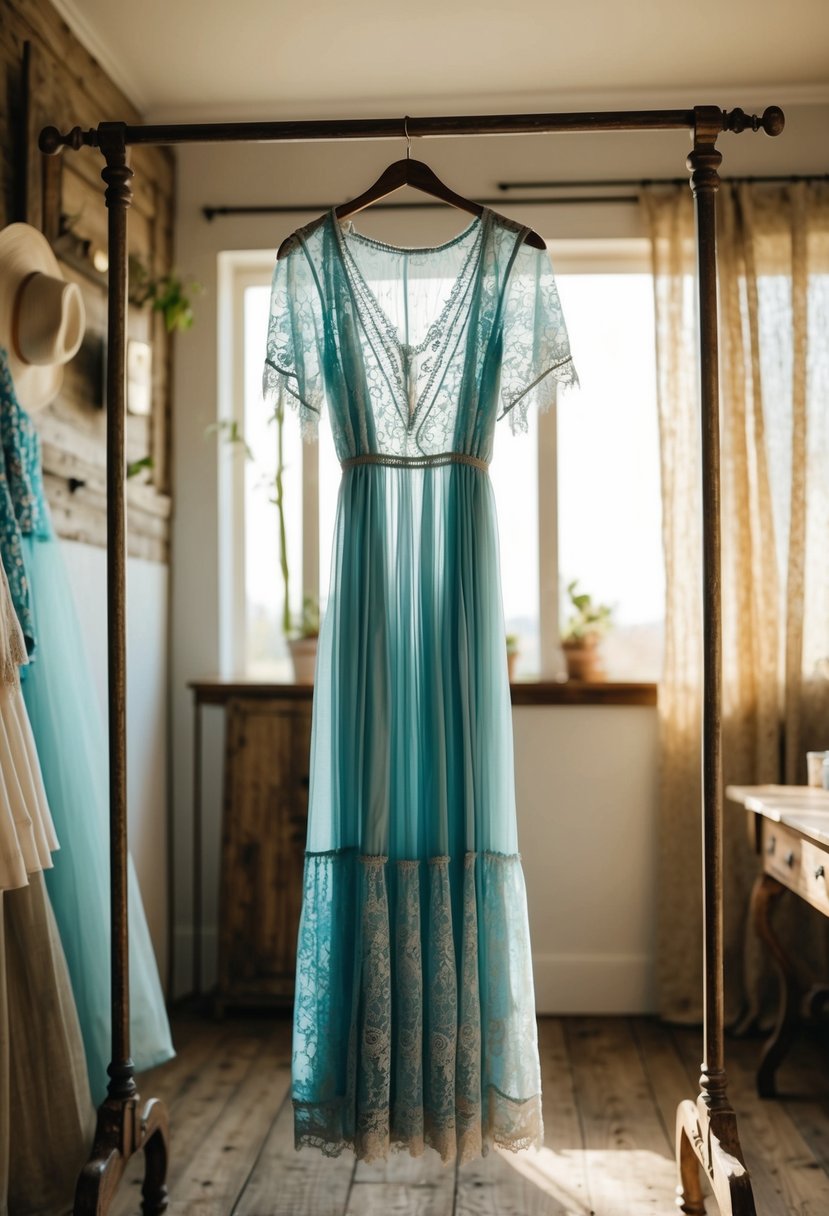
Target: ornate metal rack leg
706,1129
123,1126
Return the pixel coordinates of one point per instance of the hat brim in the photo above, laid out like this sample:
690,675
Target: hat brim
24,250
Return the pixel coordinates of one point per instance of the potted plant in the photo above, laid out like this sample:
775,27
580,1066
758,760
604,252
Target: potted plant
586,626
303,644
512,655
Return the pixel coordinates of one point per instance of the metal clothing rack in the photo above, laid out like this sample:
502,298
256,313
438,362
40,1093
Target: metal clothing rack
707,1135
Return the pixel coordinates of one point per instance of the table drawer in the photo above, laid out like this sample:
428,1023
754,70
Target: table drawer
781,853
798,864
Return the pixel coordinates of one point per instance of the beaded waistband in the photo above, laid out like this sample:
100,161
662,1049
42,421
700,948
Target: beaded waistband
416,462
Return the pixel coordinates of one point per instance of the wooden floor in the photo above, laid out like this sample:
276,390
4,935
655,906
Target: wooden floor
611,1086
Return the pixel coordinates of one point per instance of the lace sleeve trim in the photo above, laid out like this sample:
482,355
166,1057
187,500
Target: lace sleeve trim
277,378
564,373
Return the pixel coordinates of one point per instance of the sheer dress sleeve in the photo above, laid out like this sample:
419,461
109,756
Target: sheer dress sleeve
292,373
536,356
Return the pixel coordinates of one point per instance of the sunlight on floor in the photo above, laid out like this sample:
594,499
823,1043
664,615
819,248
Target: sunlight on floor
636,1178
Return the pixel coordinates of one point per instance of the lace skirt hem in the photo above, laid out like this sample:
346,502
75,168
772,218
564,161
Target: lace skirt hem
508,1123
414,1010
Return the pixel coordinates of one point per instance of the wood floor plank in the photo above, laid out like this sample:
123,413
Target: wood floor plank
610,1088
207,1072
550,1182
433,1198
285,1182
630,1159
783,1170
804,1084
666,1073
220,1167
403,1168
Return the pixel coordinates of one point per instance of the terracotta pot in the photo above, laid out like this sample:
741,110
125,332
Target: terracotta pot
304,656
512,659
584,660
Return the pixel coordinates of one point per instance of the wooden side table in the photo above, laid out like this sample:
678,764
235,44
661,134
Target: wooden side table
790,826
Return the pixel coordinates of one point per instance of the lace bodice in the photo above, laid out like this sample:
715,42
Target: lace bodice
415,351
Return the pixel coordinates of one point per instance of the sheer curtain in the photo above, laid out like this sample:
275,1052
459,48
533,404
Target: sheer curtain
773,246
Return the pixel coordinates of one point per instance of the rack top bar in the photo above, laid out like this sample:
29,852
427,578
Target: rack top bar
51,140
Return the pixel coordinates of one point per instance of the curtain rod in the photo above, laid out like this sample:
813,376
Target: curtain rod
210,211
51,140
632,183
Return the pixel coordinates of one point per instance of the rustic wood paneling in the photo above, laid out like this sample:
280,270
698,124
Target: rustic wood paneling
47,77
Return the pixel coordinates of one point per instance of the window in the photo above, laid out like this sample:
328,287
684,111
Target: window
577,497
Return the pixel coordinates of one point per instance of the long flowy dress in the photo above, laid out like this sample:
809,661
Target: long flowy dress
414,1019
71,741
46,1114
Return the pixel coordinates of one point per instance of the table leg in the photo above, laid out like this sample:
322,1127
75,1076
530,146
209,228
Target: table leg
765,893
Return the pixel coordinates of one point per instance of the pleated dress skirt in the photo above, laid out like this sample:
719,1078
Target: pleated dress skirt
414,1018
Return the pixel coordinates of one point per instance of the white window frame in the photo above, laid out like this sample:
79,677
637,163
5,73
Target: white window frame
238,270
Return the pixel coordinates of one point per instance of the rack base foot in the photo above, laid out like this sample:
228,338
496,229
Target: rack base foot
708,1140
122,1131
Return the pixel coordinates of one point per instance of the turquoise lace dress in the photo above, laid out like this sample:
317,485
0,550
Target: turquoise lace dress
414,1020
71,741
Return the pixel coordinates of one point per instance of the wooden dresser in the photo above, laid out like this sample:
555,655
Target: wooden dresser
264,815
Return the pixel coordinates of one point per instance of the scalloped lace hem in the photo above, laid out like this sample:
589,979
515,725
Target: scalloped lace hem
507,1123
414,1009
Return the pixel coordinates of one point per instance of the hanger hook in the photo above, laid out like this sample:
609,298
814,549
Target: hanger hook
408,136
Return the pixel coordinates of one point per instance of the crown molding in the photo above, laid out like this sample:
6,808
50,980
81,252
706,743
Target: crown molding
749,97
107,57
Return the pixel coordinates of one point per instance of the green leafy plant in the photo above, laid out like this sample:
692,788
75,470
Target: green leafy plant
137,466
231,433
169,294
513,642
587,619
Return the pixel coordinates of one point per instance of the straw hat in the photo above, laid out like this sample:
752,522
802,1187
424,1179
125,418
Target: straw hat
42,316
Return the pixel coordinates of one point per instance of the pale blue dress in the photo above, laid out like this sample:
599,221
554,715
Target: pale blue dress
71,740
414,1017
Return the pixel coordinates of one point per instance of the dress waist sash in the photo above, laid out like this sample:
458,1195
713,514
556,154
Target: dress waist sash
415,462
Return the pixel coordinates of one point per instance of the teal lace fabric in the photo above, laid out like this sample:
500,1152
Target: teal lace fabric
22,501
414,1015
71,740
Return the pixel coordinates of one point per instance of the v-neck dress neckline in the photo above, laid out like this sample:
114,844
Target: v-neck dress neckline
403,356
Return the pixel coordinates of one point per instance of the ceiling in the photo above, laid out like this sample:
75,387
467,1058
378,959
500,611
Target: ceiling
236,59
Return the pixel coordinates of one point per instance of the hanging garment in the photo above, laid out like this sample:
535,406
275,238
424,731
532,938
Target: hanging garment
414,1018
46,1114
72,748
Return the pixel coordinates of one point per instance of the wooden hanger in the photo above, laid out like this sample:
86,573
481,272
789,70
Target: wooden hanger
418,175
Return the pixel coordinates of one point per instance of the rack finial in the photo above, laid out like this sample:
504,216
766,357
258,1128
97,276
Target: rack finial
51,141
772,120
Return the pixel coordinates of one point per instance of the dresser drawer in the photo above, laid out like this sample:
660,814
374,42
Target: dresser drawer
798,864
781,853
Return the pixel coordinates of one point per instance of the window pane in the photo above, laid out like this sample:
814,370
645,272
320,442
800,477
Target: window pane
608,476
266,650
514,473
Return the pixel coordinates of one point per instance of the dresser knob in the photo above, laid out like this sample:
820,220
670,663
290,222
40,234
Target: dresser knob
819,872
790,859
771,844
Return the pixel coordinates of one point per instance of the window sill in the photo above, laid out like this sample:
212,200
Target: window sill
523,692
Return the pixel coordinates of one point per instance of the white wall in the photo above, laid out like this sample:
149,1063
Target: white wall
147,709
593,946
